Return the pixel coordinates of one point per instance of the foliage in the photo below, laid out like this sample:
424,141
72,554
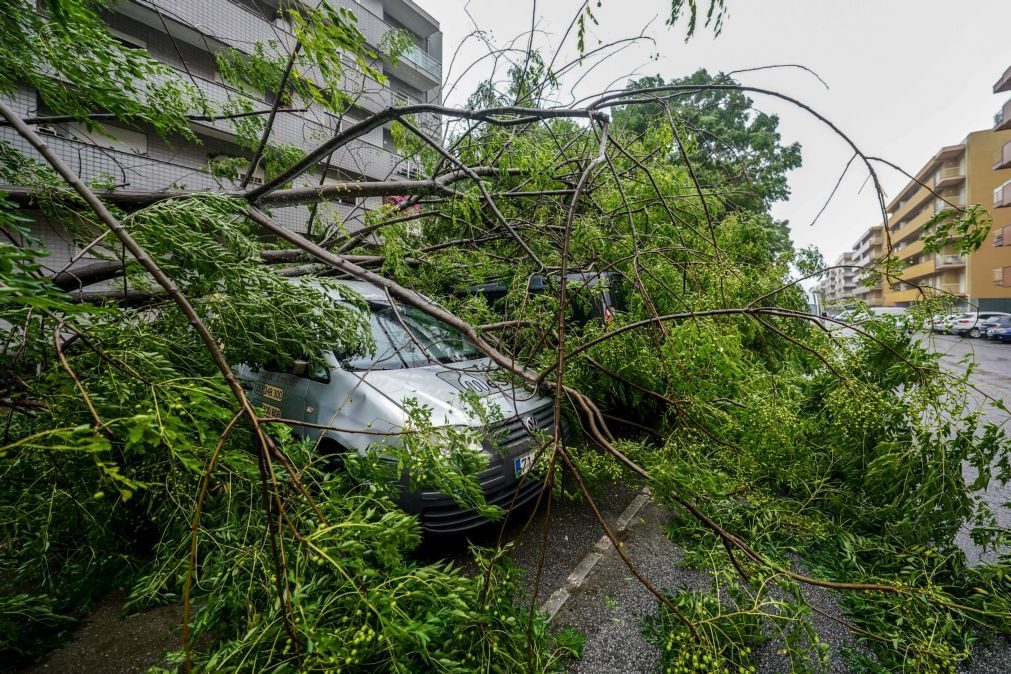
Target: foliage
68,56
732,147
969,227
396,43
796,450
110,488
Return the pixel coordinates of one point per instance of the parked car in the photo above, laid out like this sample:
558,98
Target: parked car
861,315
935,323
944,325
1001,333
417,357
991,327
971,324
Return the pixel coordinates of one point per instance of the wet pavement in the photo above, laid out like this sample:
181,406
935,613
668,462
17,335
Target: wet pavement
992,378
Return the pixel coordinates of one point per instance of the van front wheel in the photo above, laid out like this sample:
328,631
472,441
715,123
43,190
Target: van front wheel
333,455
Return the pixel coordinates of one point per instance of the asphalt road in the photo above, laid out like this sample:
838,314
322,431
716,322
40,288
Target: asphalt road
992,378
993,368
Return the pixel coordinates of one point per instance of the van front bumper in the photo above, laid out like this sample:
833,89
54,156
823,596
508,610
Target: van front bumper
508,440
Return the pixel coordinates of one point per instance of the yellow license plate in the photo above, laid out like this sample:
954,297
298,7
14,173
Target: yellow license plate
271,411
273,392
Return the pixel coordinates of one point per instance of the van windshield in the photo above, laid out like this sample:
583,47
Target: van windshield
411,339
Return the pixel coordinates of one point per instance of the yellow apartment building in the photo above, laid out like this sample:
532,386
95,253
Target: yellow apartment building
975,171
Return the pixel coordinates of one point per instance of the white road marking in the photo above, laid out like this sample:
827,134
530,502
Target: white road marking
579,574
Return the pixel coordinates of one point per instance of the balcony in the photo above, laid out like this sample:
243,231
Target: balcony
133,171
426,62
945,202
948,261
952,289
1002,158
427,122
227,22
948,175
913,225
909,251
911,295
1002,120
899,210
1002,196
1004,83
918,271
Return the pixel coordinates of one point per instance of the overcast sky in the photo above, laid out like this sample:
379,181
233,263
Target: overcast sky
905,77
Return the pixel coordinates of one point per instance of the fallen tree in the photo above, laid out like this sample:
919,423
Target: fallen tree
782,445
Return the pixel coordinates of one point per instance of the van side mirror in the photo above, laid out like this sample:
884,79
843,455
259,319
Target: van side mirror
300,367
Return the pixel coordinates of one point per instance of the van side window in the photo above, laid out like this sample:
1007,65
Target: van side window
303,368
315,371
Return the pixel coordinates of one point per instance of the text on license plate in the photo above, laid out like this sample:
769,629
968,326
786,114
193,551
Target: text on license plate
272,392
523,463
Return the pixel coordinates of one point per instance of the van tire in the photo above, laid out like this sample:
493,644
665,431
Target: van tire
334,452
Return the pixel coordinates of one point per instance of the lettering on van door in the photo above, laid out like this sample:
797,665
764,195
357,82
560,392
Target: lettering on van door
465,382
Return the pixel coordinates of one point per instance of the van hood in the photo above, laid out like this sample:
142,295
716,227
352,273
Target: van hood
441,387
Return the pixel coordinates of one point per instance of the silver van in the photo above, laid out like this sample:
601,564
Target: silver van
421,358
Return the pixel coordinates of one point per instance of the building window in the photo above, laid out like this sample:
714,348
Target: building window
106,136
998,276
234,168
128,40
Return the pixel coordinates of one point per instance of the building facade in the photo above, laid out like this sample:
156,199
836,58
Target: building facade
838,283
867,253
185,35
1001,235
970,172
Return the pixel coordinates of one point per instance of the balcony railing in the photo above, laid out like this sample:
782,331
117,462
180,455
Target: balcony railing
424,61
918,270
1004,83
1002,158
1002,120
953,288
946,202
428,122
1002,196
948,261
228,22
948,174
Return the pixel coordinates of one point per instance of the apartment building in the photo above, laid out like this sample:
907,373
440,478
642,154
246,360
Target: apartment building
1001,235
186,34
839,282
867,252
970,172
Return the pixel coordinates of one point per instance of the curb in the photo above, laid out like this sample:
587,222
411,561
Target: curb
579,574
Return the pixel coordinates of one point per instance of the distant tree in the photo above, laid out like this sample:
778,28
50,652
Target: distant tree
731,146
